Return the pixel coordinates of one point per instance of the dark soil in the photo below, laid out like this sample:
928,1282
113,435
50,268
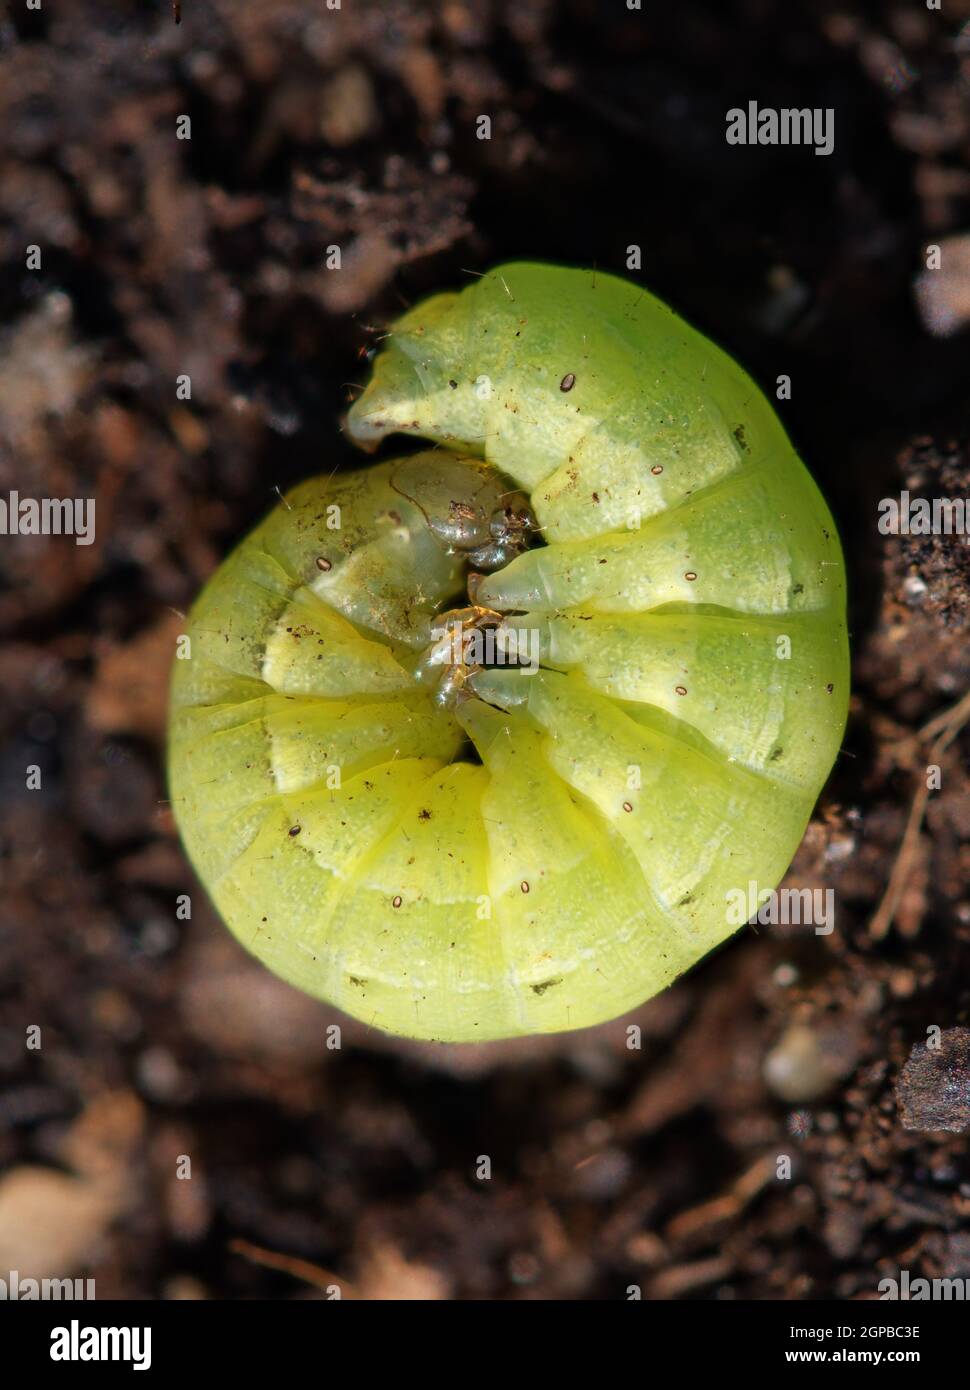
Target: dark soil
661,1168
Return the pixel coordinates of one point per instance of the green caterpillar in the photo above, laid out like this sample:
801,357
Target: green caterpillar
479,742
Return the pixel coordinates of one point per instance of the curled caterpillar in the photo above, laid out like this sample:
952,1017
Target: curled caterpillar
477,742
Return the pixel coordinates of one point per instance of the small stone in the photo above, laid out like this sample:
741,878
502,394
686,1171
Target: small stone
806,1062
956,1257
348,109
50,1224
933,1090
843,1230
159,1075
943,295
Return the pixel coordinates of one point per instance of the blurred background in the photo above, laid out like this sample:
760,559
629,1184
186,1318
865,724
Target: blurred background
312,127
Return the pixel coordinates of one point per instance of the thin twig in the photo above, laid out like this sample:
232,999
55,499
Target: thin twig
943,729
288,1264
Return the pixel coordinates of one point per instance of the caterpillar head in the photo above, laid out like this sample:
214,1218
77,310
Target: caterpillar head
468,507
